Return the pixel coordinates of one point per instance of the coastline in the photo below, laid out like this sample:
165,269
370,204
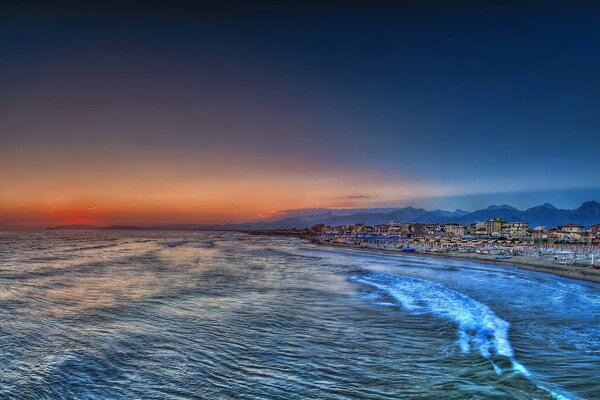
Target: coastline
546,265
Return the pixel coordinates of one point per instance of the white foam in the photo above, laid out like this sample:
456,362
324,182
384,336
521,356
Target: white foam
520,368
497,369
478,327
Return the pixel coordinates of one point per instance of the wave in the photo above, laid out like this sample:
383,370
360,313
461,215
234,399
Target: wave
478,327
94,247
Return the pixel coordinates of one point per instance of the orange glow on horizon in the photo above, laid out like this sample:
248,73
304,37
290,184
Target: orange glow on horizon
69,189
230,203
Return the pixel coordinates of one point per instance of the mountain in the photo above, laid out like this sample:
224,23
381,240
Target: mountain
501,207
587,214
548,215
545,215
548,206
124,228
369,218
432,217
311,212
75,227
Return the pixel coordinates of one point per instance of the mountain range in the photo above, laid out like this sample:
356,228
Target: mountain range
543,215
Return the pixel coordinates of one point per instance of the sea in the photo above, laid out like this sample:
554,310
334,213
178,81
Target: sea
221,315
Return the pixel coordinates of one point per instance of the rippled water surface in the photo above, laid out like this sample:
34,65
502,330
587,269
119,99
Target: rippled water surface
172,315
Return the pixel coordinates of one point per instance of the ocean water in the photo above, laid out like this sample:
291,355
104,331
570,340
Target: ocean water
178,315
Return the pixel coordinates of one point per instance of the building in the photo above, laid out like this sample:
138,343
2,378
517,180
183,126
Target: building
382,229
493,226
573,228
454,230
401,229
358,228
539,232
470,230
515,229
427,230
342,229
320,228
481,232
571,232
594,230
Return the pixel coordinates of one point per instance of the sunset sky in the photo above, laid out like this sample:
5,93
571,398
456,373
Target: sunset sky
228,113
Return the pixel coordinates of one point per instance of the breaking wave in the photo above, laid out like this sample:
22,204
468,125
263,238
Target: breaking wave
478,327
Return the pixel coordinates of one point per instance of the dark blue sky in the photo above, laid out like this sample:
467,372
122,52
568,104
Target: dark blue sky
440,101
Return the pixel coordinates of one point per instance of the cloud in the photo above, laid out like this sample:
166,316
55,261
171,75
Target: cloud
358,196
272,213
296,212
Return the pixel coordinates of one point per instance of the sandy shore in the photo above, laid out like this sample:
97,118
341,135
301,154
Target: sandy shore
540,264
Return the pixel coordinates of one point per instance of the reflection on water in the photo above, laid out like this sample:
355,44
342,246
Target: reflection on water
172,315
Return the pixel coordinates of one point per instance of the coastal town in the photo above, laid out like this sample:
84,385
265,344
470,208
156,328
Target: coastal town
494,228
572,245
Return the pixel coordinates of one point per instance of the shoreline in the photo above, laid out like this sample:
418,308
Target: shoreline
545,265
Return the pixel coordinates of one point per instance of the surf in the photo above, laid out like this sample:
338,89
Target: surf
478,327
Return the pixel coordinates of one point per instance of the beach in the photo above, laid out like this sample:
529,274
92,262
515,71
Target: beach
544,263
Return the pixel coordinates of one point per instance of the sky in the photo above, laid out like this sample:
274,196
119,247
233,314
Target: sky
231,111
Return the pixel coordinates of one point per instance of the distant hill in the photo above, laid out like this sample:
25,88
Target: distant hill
75,226
125,228
545,215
